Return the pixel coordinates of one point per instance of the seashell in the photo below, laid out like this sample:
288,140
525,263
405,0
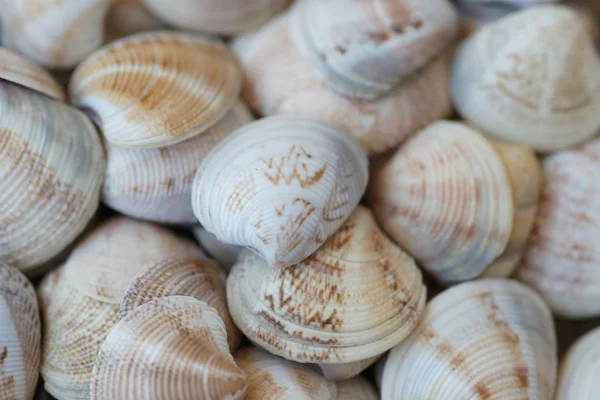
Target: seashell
51,171
56,34
487,339
532,78
578,377
185,274
562,260
355,298
274,378
280,186
225,254
20,70
127,17
446,199
158,88
342,372
288,85
193,361
225,17
156,184
357,388
364,49
20,333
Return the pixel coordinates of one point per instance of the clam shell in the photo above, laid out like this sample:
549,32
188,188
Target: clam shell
280,186
355,298
56,34
20,333
158,88
363,48
532,78
357,388
445,197
287,84
51,171
341,372
156,184
127,17
488,339
225,254
193,361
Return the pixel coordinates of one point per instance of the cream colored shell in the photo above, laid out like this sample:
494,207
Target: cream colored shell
446,199
224,254
531,78
342,372
363,48
355,298
158,88
56,34
20,335
280,186
127,17
51,172
357,388
487,339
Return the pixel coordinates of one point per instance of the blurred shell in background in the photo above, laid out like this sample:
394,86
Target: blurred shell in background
126,17
341,372
225,254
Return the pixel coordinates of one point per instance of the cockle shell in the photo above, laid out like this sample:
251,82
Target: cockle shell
531,78
223,17
156,184
158,88
225,254
20,333
280,186
487,339
51,171
193,360
288,85
562,260
341,372
363,48
355,298
127,17
56,34
446,199
357,388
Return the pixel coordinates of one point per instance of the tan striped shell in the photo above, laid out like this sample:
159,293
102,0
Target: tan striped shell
158,88
127,17
357,388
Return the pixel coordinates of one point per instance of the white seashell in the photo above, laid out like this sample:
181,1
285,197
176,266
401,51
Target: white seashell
127,17
225,254
487,339
342,372
357,388
280,186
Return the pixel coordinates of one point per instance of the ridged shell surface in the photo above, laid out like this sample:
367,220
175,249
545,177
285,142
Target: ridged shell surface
287,84
531,78
20,335
127,17
280,186
158,88
341,372
487,339
446,199
156,184
357,388
355,298
363,48
51,172
224,254
193,360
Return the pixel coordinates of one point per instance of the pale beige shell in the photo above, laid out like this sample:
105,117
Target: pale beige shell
224,254
223,17
286,84
20,335
158,88
364,48
127,17
357,388
156,184
280,186
446,199
531,78
56,34
193,361
487,339
355,298
341,372
51,172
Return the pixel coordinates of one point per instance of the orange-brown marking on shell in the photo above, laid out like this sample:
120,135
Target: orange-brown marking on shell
292,167
243,191
3,355
290,238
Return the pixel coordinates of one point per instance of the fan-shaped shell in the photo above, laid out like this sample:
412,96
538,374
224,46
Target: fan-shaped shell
355,298
156,184
287,84
357,388
20,333
51,171
158,88
365,48
280,186
341,372
224,254
488,339
56,34
446,199
193,361
531,78
127,17
224,17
